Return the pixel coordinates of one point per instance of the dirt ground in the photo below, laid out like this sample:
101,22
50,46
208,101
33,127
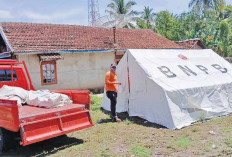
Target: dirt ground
135,137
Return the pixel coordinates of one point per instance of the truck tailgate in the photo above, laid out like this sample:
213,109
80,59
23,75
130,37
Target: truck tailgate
37,124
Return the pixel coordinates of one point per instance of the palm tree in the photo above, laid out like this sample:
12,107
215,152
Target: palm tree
121,10
206,4
147,19
227,14
119,7
228,11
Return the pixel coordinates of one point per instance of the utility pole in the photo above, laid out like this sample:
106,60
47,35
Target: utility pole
93,12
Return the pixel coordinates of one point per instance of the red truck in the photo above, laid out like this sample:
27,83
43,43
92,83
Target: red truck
33,124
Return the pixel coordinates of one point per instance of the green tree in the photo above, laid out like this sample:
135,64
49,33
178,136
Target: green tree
227,14
228,11
167,26
208,26
146,21
219,36
206,4
120,7
190,24
224,41
122,11
209,20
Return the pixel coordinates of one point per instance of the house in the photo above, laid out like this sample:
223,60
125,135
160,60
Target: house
192,44
71,56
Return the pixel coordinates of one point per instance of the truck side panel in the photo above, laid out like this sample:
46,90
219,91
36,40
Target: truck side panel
54,124
9,116
78,97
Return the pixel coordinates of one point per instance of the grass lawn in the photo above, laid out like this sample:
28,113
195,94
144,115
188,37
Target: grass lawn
135,137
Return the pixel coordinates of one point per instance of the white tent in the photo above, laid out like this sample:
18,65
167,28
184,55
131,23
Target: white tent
173,88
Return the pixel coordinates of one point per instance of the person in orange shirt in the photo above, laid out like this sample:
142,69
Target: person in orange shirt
111,82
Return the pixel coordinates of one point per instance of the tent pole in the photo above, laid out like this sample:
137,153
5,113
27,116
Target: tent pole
128,82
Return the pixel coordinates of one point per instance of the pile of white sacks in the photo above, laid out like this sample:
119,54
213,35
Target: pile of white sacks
40,98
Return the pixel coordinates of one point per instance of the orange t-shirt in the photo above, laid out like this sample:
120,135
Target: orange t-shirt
109,78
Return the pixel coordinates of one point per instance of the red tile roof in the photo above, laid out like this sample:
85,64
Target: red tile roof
32,37
191,43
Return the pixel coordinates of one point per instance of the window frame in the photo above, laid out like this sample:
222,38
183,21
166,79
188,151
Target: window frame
13,79
41,72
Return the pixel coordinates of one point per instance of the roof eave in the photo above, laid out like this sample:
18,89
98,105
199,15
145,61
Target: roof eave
77,51
5,39
64,51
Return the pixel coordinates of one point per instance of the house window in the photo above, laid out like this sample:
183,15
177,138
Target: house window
48,73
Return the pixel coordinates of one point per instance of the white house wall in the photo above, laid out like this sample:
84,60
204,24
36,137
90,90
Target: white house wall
76,71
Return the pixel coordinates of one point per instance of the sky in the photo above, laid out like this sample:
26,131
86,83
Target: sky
74,11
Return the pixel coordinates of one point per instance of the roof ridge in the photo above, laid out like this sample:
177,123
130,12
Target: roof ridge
74,25
188,40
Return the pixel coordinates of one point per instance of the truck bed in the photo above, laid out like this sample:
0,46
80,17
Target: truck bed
37,124
27,111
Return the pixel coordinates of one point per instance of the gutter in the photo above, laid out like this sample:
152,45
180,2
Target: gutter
5,55
78,51
69,51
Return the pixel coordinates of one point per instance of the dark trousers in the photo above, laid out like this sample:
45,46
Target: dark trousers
113,101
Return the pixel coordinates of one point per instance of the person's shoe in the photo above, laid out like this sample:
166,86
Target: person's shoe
116,119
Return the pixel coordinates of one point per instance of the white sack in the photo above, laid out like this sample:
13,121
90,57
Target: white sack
40,98
47,99
14,93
